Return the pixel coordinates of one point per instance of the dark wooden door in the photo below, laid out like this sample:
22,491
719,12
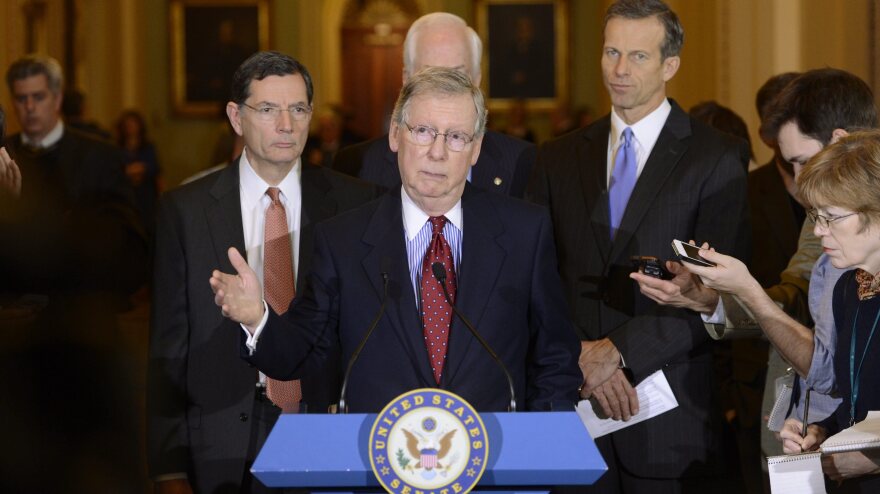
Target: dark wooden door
372,68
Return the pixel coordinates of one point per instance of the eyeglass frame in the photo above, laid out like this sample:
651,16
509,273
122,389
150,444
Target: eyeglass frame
435,133
275,112
826,221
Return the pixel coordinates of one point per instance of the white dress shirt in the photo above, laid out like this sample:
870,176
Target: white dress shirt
254,202
418,232
51,138
645,134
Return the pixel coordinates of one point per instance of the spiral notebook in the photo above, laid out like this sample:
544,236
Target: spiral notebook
864,435
796,474
783,401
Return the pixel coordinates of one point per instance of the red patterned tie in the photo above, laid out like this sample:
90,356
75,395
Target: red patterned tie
436,312
279,289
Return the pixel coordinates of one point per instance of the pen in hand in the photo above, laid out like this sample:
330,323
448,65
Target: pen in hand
806,413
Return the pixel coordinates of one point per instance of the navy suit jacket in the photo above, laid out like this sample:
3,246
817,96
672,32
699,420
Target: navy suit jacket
200,392
693,186
504,165
508,287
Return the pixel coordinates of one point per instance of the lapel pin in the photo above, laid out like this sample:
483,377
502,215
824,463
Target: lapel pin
497,180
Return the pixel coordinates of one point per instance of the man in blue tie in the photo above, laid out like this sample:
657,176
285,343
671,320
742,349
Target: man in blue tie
626,186
623,179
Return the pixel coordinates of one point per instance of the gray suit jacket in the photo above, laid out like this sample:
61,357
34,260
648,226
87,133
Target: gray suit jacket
200,393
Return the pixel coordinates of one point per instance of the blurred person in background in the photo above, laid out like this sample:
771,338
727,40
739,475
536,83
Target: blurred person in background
71,250
141,164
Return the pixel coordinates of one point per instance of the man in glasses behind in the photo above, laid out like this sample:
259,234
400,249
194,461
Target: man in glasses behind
209,411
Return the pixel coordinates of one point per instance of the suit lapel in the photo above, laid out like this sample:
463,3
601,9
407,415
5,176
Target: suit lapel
481,263
385,234
224,216
667,152
316,206
592,154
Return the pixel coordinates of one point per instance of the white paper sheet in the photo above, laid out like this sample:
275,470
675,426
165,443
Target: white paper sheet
864,435
655,398
796,474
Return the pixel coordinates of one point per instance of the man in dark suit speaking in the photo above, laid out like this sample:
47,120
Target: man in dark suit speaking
440,39
628,185
209,411
496,252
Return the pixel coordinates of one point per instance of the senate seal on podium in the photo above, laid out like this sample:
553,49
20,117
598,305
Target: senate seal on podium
429,441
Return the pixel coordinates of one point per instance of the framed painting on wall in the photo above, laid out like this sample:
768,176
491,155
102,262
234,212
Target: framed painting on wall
209,40
525,51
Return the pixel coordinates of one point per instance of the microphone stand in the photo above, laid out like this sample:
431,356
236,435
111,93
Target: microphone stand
440,274
343,408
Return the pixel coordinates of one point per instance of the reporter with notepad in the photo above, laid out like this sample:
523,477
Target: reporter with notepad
842,184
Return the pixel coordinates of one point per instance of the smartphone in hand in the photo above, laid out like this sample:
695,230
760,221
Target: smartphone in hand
690,253
650,266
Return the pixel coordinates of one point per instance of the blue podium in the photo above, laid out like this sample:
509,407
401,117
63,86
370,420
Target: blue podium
330,452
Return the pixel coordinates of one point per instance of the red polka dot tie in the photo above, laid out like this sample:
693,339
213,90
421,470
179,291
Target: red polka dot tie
436,312
279,289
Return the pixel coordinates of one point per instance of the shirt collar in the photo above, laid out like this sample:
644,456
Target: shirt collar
414,218
253,188
51,138
646,131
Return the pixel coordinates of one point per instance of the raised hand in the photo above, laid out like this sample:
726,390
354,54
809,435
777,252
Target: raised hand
239,296
10,175
728,275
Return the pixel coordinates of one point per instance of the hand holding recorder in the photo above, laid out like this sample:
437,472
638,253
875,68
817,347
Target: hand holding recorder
690,253
681,288
718,271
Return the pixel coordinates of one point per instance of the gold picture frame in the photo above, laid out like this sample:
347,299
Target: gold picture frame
209,40
525,45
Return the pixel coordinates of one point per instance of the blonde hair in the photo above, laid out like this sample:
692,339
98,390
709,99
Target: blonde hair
846,174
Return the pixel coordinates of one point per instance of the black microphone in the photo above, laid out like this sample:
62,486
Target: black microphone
354,356
440,274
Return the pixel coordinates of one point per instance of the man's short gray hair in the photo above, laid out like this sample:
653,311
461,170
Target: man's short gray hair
440,81
642,9
439,20
31,65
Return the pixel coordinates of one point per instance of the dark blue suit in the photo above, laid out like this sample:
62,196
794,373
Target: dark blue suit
504,165
508,287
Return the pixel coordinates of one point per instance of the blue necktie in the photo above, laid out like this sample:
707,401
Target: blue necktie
623,179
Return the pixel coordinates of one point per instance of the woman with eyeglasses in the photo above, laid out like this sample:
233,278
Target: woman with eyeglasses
842,183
